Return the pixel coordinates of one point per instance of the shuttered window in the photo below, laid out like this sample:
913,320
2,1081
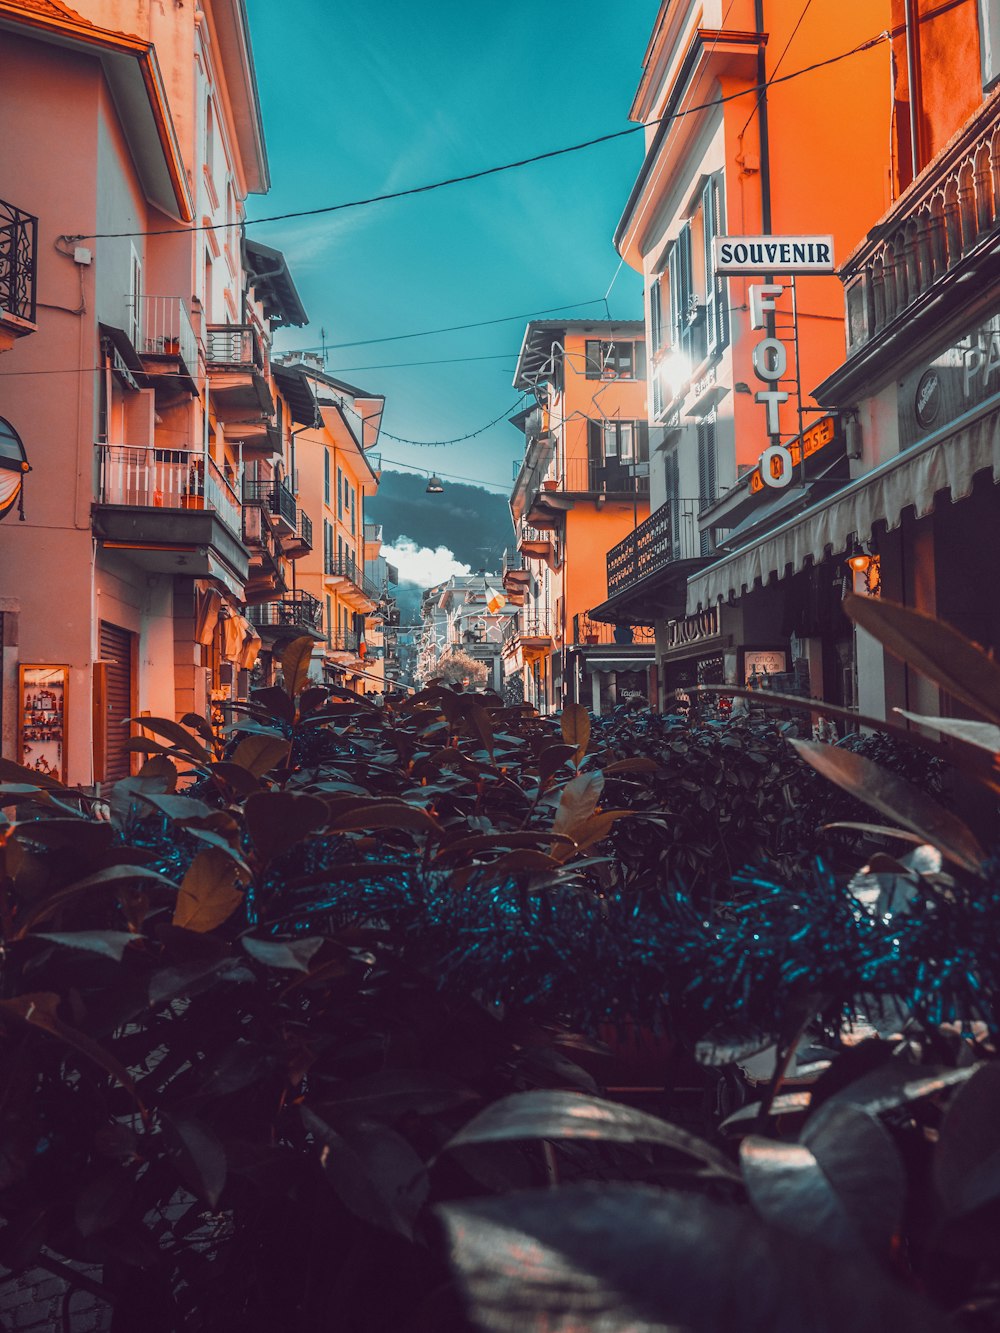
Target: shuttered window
117,656
716,289
707,479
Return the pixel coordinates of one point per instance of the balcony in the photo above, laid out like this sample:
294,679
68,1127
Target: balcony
907,277
587,632
18,247
162,334
299,542
516,577
277,500
531,634
296,612
173,510
539,544
237,373
613,477
648,571
343,573
266,576
343,641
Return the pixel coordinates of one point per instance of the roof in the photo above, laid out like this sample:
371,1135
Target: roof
232,38
133,74
273,285
297,392
541,335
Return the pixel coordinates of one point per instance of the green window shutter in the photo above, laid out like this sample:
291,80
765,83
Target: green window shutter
592,356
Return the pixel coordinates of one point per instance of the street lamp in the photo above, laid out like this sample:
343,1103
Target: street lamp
434,486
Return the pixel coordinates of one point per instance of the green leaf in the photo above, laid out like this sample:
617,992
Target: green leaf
180,736
640,764
548,1114
259,754
11,772
842,1184
103,1201
967,1160
295,659
292,954
277,820
984,734
480,721
110,876
934,648
385,813
208,895
197,1154
575,727
110,943
896,798
578,802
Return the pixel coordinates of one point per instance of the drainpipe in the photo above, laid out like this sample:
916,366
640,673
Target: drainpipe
765,155
291,468
913,85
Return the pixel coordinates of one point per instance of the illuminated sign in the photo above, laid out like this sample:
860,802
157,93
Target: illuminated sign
812,440
755,256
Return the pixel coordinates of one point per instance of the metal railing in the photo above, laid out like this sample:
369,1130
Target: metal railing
373,532
527,627
582,476
161,327
513,562
18,273
296,610
274,496
167,479
590,631
235,346
947,212
304,528
342,641
670,533
346,567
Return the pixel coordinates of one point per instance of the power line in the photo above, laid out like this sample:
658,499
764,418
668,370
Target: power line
450,476
435,444
485,171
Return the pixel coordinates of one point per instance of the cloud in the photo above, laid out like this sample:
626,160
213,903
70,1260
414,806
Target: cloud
423,565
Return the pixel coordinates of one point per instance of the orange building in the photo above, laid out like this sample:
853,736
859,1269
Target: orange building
334,466
727,156
581,487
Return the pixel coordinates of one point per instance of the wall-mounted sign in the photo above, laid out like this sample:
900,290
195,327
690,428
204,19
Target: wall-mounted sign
959,378
41,729
755,256
813,439
761,662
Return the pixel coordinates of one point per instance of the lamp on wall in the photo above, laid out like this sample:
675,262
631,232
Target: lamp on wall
867,563
434,486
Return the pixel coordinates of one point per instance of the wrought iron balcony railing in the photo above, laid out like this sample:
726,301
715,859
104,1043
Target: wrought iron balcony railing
275,497
670,533
587,631
613,476
304,528
296,610
342,641
167,479
18,274
160,327
233,347
345,567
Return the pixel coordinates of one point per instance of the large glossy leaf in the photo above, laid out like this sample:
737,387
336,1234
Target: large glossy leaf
898,1083
479,719
896,798
385,813
843,1183
575,726
785,1104
578,802
373,1171
984,734
198,1155
208,895
115,876
18,773
391,1093
550,1114
180,736
614,1258
110,943
259,754
295,659
277,820
967,1160
293,955
103,1201
935,649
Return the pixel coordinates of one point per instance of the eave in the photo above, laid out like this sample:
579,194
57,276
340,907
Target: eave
133,74
232,34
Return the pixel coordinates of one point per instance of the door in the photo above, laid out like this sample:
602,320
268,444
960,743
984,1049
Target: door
116,652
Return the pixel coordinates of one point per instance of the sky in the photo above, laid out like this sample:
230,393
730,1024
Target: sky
364,99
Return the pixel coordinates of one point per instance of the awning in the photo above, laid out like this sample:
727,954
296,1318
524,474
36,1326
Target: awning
600,665
944,461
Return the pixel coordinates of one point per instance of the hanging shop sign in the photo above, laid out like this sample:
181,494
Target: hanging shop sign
813,439
770,361
761,662
41,732
757,256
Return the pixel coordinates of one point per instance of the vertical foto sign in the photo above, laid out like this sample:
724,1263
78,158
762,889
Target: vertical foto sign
763,257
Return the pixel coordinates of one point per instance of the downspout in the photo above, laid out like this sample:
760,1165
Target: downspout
291,467
913,86
765,154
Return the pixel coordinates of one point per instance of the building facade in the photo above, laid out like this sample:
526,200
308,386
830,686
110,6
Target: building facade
581,488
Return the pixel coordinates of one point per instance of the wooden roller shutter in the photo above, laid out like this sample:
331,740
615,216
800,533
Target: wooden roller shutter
116,652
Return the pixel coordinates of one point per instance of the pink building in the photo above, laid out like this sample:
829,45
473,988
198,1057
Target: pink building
159,503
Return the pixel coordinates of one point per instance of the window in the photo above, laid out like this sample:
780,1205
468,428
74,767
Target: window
329,620
326,476
716,289
340,495
612,447
687,322
135,301
615,360
351,496
327,545
656,341
707,479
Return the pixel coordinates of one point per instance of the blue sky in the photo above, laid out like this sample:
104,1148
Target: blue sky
367,98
